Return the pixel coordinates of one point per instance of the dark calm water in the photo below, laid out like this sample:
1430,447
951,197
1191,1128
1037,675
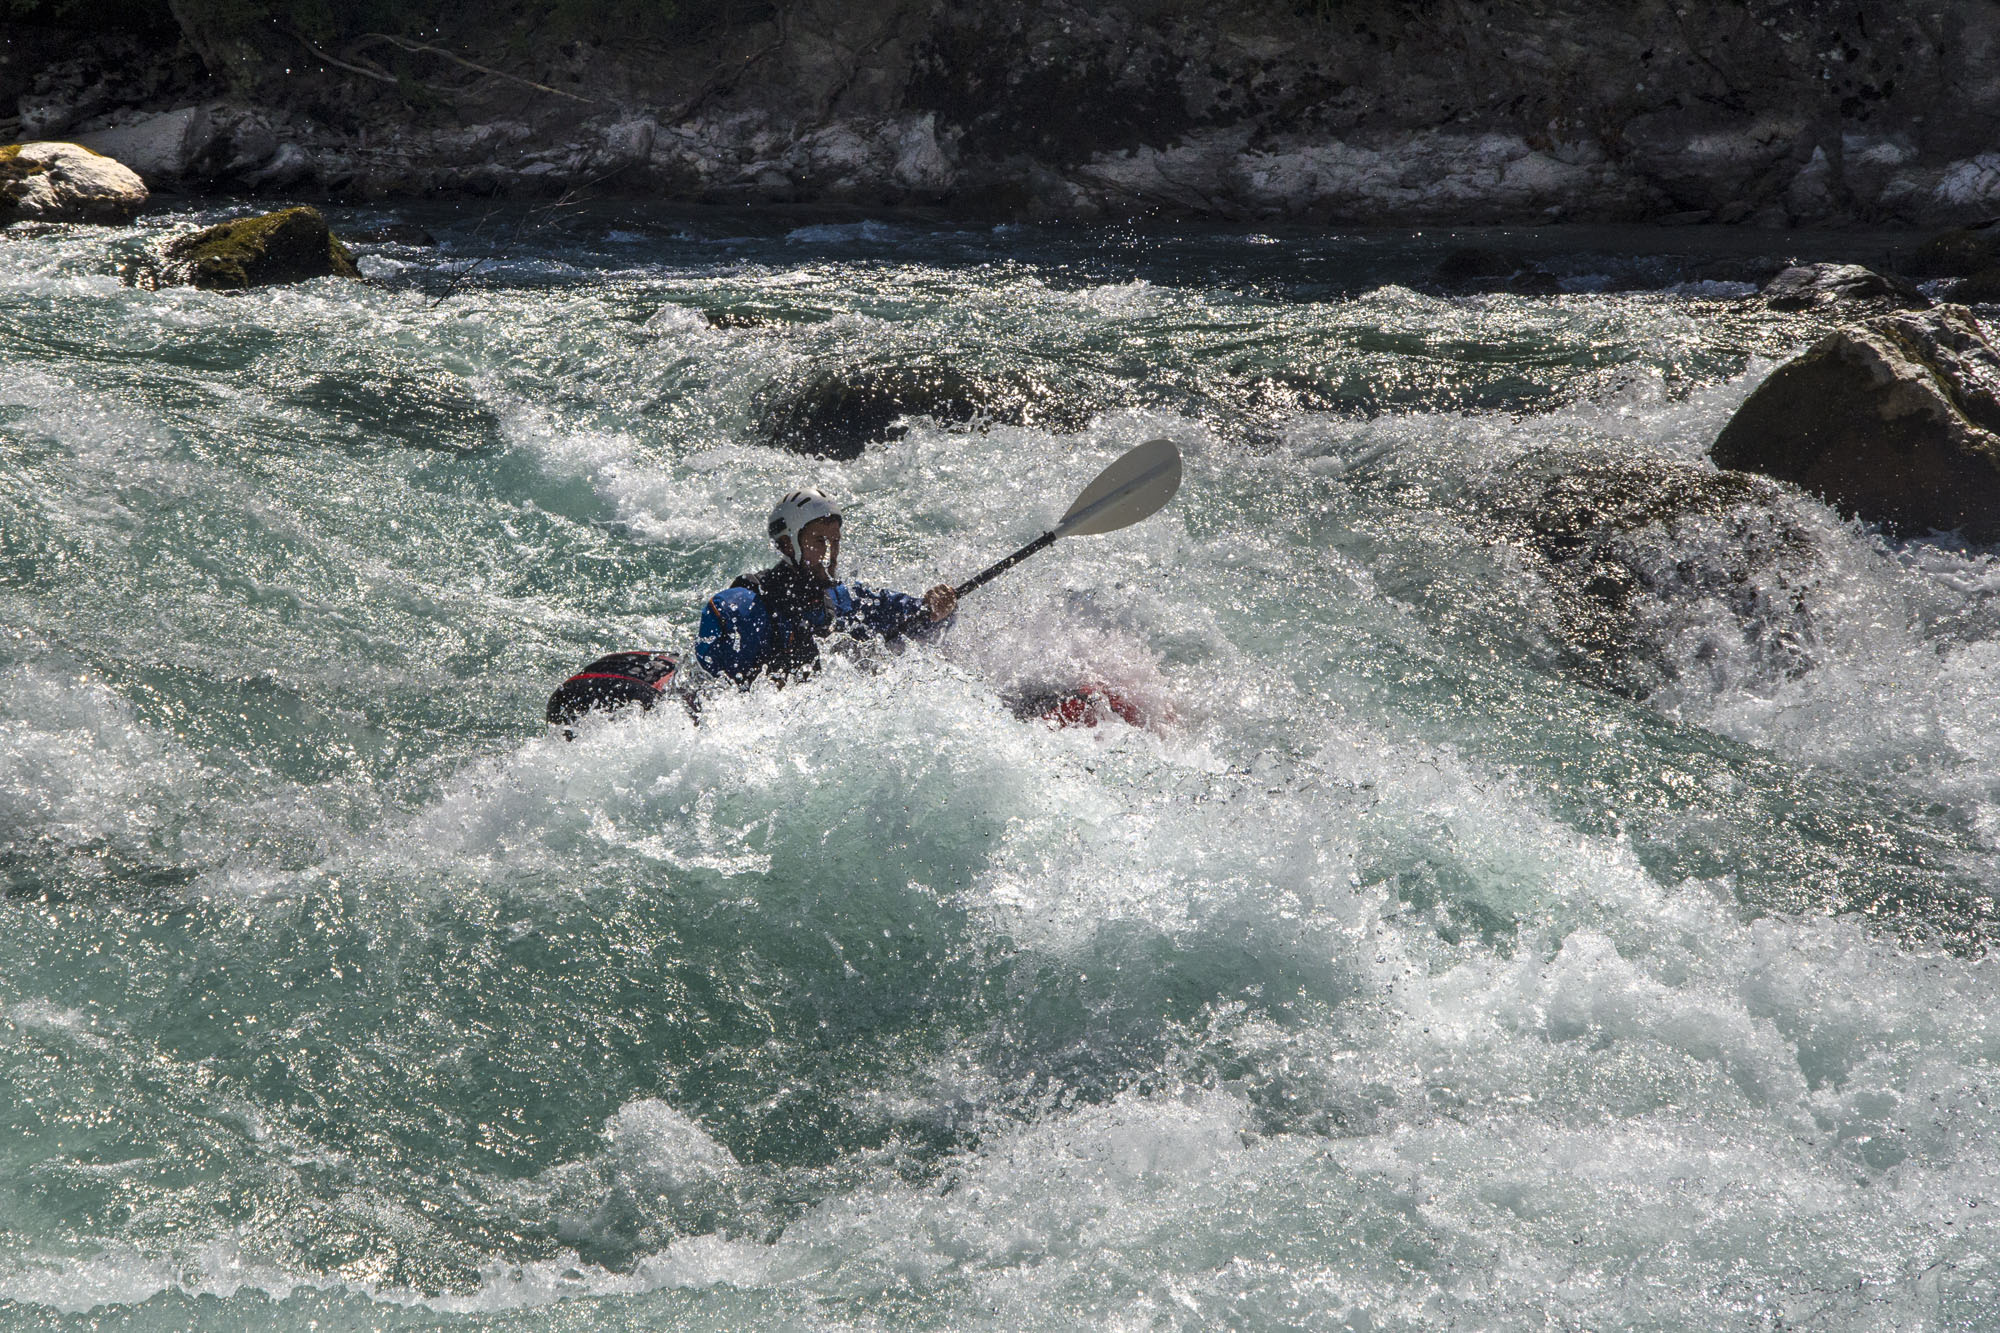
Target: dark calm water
1398,975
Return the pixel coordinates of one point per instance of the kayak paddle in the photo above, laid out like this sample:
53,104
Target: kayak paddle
1133,487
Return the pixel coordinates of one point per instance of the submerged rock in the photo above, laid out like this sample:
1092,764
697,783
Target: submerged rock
1969,254
1757,270
741,317
1474,264
64,182
1473,269
1981,288
1895,420
841,413
1657,567
1845,287
1959,253
423,407
395,233
289,246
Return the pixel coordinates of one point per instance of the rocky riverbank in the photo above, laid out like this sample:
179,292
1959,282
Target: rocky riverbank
1376,112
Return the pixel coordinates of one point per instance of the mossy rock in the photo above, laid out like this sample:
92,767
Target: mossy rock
15,173
14,167
289,246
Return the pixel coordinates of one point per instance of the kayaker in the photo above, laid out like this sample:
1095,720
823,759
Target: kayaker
771,622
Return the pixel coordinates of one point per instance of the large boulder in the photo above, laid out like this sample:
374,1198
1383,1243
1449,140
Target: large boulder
839,413
1895,420
62,182
1476,269
1847,289
288,246
1656,567
160,148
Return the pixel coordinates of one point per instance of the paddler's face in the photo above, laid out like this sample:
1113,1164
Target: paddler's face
819,546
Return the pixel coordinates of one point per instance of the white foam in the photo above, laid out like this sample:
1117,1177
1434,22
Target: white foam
676,319
1122,299
846,233
81,769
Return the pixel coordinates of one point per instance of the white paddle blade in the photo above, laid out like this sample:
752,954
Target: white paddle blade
1130,489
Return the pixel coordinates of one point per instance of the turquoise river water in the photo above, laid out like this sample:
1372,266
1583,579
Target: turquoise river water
1400,973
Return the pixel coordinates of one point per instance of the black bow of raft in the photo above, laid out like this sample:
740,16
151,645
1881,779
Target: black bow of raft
618,680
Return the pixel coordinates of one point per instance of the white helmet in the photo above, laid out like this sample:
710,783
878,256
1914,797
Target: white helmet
794,512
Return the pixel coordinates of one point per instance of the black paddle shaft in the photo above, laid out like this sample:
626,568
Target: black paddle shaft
1136,484
986,575
995,570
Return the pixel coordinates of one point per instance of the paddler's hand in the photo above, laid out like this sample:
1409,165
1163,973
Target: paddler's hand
941,601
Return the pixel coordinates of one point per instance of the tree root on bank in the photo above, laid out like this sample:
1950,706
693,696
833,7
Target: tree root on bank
380,75
403,43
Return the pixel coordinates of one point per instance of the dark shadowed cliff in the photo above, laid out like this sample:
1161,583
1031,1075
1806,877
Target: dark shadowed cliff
1770,112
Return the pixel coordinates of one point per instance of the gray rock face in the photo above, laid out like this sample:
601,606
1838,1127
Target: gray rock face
61,182
159,148
1895,420
1786,113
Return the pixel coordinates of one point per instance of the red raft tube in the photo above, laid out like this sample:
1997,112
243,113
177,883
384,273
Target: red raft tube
642,677
1080,706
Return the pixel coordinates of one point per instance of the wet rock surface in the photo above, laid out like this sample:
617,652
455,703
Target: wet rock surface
293,245
1969,254
61,182
1895,420
839,413
1657,567
1958,253
1848,289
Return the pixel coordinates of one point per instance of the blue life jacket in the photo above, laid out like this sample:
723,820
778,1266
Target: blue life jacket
772,621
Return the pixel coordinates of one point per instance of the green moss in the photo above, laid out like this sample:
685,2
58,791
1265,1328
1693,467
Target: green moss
288,246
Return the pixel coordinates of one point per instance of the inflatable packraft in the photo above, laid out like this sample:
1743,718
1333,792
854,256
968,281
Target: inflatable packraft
643,677
1081,706
615,682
